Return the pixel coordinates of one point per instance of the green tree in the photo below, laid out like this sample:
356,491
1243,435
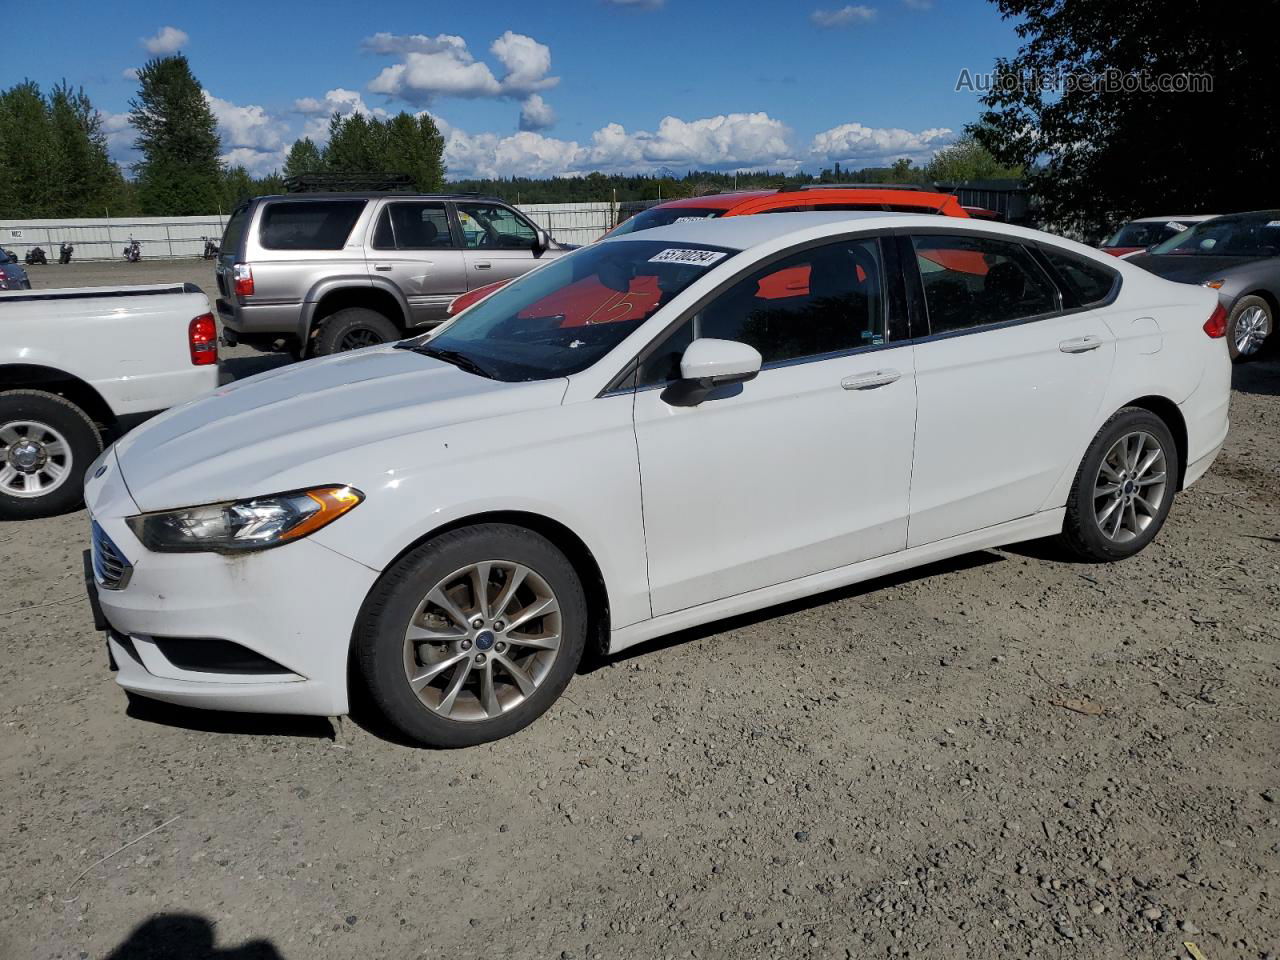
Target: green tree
1106,151
27,152
304,157
414,146
180,173
84,178
968,159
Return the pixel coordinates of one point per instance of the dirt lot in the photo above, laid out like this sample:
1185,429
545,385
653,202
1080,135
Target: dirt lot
892,770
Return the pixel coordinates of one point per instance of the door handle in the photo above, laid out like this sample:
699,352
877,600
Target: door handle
869,381
481,264
1080,344
382,266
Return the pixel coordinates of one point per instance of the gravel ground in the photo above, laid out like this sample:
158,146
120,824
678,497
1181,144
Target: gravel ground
1003,755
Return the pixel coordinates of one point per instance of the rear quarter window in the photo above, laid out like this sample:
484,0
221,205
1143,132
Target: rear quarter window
1090,282
309,224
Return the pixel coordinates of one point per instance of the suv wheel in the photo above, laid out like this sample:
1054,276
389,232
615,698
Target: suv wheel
353,328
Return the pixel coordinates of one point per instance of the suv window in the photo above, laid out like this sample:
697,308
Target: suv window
827,299
234,231
309,224
489,227
977,281
1090,282
413,226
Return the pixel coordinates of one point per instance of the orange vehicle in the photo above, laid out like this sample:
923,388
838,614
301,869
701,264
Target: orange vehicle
812,198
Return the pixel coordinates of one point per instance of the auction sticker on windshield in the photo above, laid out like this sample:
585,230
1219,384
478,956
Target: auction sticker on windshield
696,258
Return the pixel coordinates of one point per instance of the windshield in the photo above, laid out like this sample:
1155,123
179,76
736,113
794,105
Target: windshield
662,217
562,318
1145,233
1256,235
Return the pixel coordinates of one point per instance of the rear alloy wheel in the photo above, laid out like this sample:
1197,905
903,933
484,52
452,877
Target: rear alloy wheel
46,443
352,329
1248,328
1123,489
473,635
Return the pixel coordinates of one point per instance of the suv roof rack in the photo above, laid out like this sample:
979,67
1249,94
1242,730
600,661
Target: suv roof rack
863,186
349,183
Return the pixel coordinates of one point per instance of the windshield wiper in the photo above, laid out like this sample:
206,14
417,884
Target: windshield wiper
459,360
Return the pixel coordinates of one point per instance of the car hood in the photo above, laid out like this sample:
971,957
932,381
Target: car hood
258,436
1189,268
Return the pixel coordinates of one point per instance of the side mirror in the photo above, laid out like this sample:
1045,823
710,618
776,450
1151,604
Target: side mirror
708,364
541,242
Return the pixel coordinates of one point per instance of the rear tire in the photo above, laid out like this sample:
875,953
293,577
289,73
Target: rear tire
461,670
1123,488
1249,329
46,444
353,328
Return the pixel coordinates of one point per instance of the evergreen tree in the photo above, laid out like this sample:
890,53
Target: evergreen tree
304,157
27,153
180,173
414,146
85,181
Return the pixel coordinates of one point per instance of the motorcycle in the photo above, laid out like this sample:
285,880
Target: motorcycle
64,253
211,249
133,252
36,255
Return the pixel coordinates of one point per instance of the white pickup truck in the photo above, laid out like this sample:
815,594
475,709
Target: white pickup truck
82,364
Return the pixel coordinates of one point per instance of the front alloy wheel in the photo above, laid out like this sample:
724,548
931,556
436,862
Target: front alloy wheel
472,635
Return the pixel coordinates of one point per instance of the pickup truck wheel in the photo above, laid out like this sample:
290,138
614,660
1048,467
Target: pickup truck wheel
353,328
46,443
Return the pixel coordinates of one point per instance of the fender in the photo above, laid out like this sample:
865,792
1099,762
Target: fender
322,288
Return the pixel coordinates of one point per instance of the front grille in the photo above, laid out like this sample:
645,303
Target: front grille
109,563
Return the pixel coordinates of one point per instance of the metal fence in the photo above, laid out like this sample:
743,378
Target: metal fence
164,238
161,238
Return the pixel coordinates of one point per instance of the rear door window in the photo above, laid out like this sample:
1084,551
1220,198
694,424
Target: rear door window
978,281
309,224
1090,282
413,226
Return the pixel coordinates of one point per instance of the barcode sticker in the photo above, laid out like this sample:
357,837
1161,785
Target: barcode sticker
694,258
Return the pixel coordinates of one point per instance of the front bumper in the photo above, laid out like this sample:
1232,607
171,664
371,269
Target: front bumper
294,605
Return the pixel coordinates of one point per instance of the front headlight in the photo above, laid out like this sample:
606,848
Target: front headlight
253,524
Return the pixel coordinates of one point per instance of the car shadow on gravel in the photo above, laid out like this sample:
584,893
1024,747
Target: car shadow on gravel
218,721
968,561
1261,377
186,936
231,369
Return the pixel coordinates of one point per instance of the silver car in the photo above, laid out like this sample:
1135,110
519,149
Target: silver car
326,272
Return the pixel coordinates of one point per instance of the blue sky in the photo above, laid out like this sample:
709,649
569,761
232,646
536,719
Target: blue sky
540,89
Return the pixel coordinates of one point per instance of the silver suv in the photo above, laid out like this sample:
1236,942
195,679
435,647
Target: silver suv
325,272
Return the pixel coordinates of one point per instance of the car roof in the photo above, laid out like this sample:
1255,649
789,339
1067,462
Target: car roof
715,201
741,233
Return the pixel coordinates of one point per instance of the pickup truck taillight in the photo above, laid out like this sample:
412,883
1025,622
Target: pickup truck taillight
202,336
242,277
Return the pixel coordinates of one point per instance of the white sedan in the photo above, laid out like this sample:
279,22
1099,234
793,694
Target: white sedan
653,432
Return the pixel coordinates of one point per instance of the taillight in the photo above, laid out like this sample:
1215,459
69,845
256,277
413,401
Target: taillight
202,336
242,275
1216,325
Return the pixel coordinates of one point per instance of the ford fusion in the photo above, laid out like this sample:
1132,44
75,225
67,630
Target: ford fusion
653,432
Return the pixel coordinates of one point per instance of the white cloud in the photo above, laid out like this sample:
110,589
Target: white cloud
844,17
167,40
536,114
257,162
527,61
855,142
248,126
338,100
129,73
737,141
443,66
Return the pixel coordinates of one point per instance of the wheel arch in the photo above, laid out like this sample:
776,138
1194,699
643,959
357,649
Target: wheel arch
1266,295
33,376
566,540
328,299
1168,411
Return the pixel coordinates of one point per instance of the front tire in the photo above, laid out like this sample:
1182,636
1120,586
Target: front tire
46,444
1248,328
472,636
1123,489
353,328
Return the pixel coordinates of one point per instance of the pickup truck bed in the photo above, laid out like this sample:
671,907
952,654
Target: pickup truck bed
82,363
